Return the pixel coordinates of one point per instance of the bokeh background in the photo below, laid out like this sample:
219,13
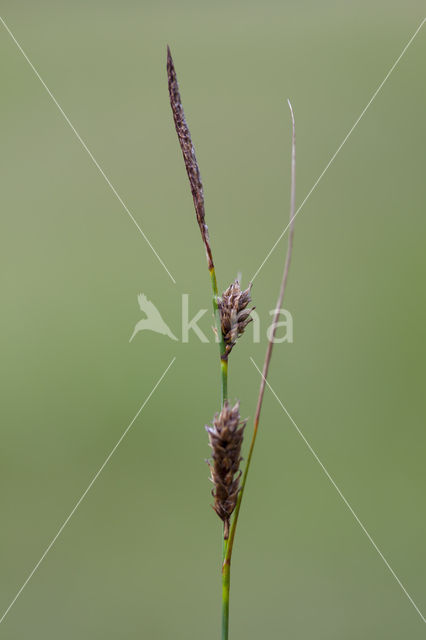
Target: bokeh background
141,556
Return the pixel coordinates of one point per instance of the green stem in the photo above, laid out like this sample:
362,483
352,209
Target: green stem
226,577
222,350
224,379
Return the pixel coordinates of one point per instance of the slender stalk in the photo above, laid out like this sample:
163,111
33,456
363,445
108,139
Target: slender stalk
228,553
226,577
218,325
224,373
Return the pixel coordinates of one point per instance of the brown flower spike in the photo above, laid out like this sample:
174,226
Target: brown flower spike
188,153
234,314
225,439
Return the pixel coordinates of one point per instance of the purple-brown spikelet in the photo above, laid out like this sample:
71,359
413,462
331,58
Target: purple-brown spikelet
225,439
188,152
234,314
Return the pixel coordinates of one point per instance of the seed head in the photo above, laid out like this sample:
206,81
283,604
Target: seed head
188,153
225,439
234,313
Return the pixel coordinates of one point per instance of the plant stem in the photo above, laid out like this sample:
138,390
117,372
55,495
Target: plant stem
268,356
224,379
226,577
222,351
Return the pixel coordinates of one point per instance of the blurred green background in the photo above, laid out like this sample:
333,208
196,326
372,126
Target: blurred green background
140,558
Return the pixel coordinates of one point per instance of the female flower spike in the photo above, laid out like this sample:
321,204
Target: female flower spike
225,439
234,314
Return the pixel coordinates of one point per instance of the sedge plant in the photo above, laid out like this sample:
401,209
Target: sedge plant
232,315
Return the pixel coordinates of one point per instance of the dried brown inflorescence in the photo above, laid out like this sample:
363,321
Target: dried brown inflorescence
188,152
225,439
234,314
